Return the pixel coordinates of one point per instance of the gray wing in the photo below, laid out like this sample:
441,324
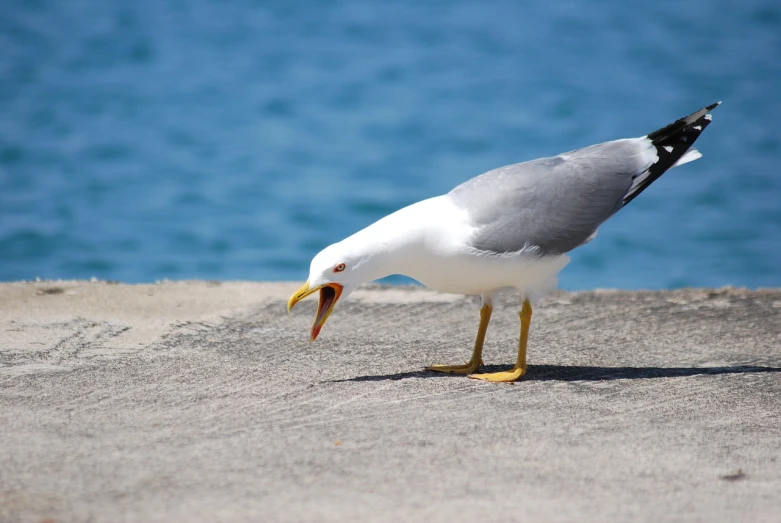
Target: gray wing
555,204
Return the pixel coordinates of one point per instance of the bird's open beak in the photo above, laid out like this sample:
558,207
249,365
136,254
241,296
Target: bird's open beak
329,295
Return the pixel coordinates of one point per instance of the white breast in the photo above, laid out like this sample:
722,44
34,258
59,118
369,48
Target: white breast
434,249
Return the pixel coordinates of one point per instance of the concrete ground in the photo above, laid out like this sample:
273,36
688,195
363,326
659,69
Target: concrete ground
203,401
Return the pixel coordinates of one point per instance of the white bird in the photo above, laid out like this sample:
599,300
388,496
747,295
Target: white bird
511,227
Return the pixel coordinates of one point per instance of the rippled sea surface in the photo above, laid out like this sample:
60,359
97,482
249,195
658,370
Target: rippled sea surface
233,140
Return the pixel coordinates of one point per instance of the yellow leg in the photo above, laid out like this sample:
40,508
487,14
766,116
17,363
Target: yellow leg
520,365
477,354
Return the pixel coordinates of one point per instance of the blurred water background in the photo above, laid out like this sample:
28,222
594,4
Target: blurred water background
233,140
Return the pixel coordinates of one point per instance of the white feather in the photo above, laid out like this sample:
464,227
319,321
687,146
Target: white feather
690,156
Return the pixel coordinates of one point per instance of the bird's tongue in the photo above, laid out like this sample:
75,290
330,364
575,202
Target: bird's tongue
327,297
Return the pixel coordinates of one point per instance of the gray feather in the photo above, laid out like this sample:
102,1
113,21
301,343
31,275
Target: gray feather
554,204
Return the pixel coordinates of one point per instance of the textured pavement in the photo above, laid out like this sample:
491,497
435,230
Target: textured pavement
201,401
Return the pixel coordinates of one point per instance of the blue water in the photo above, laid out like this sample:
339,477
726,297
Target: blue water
233,140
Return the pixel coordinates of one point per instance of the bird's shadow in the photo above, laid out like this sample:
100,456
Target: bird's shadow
581,373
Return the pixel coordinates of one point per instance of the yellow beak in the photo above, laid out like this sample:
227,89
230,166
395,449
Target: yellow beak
329,295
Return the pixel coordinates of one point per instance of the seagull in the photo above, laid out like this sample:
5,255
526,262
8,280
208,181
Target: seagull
510,227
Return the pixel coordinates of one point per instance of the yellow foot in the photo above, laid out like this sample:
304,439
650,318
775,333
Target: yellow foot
505,376
469,368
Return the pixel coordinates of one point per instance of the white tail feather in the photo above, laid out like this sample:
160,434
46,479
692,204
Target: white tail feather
690,156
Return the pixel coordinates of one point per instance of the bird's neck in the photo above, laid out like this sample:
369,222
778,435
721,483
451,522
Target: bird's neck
413,241
390,245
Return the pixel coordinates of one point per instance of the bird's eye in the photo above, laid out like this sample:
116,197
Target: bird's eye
340,267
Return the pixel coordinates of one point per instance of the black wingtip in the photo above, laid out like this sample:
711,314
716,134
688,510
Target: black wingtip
671,142
681,123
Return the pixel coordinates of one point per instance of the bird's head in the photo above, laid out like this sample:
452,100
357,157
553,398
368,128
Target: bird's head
336,272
